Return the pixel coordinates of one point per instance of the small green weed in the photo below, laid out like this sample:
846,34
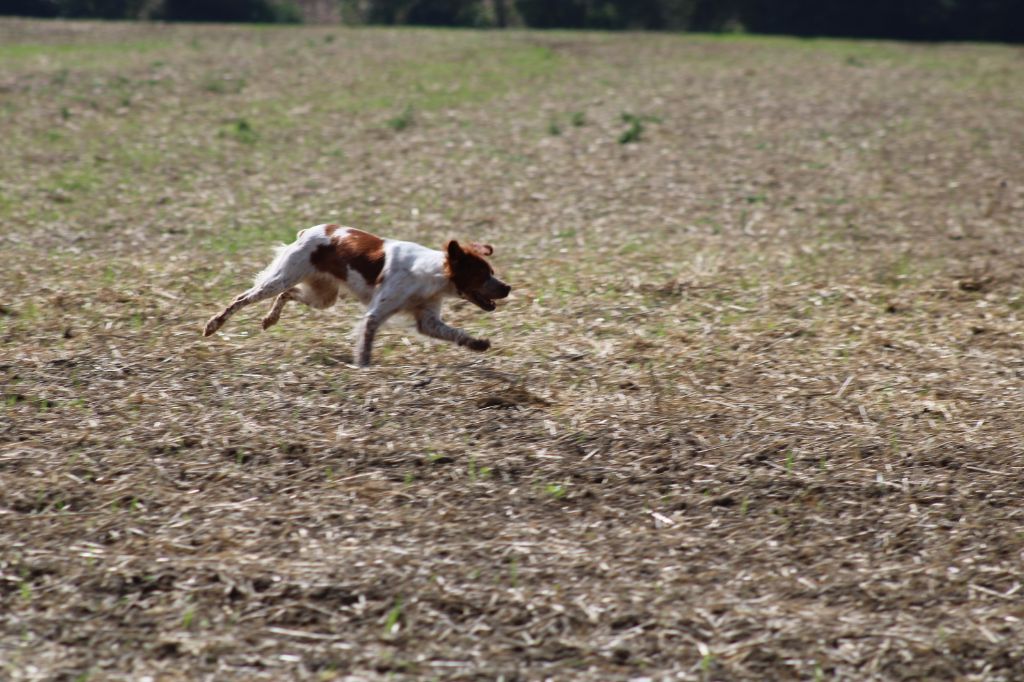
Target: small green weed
242,131
223,85
391,624
404,120
636,127
478,472
555,490
633,133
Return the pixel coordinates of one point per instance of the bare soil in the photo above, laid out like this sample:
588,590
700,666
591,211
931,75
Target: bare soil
753,412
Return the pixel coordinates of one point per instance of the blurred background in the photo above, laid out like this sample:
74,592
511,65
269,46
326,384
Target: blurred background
994,20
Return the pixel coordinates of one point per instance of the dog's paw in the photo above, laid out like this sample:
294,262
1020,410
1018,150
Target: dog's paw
478,345
211,326
269,321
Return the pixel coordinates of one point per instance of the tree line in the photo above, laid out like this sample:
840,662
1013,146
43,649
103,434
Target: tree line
998,20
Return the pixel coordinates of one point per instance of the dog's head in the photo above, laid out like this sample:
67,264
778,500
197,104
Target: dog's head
471,274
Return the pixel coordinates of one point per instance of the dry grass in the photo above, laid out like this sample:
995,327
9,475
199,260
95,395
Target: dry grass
754,411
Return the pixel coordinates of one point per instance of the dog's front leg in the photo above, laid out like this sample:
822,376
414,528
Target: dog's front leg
383,305
364,339
429,322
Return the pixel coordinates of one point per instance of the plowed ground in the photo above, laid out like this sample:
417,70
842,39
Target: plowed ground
753,412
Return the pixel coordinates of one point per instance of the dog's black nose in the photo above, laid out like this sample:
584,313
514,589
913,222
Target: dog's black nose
506,290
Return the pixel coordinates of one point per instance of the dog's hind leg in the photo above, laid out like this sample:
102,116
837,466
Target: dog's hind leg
316,291
257,293
274,314
290,267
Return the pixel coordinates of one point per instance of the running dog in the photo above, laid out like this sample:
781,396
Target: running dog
386,275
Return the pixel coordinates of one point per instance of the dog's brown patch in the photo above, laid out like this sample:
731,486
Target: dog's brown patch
365,253
329,229
327,258
361,251
467,270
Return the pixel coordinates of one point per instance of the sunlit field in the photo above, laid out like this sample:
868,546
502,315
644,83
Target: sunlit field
754,410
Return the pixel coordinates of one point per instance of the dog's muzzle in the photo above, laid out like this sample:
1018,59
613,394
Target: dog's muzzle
492,290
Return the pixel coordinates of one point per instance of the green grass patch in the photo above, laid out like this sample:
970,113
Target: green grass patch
471,77
76,51
262,234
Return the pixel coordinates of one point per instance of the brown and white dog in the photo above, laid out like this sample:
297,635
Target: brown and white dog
387,275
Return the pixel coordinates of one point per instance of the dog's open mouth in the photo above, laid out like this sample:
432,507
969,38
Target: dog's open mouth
481,302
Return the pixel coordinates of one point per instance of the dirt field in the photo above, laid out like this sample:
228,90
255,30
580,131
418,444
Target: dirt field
754,410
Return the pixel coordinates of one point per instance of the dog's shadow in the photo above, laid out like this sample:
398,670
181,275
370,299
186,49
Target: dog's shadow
332,358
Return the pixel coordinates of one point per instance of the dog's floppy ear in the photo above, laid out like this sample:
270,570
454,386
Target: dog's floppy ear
455,251
482,249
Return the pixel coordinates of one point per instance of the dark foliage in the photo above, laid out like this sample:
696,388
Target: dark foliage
1001,20
262,11
421,12
911,19
608,14
101,9
30,8
265,11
